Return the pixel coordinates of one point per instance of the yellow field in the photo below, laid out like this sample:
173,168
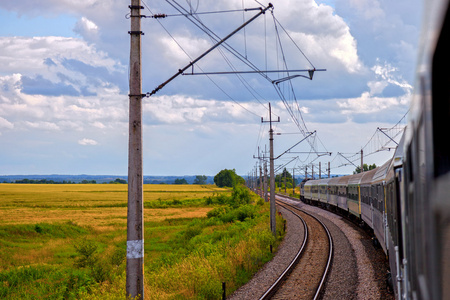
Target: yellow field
96,205
47,231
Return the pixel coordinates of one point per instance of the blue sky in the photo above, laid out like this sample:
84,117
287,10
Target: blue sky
64,84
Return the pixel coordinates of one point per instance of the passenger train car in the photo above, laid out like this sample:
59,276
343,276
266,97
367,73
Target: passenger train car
407,200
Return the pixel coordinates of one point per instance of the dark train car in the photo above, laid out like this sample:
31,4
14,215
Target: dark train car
353,199
307,191
378,194
366,198
425,207
333,191
323,190
393,240
342,191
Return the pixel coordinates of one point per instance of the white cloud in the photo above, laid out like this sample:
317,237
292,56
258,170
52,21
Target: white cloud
42,125
76,86
184,110
369,9
387,72
87,29
366,104
40,112
87,142
6,124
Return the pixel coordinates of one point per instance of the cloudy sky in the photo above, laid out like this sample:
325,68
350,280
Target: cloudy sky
64,83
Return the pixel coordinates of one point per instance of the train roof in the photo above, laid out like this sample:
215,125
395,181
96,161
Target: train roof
343,180
356,178
310,182
381,172
334,180
323,181
318,181
397,160
367,176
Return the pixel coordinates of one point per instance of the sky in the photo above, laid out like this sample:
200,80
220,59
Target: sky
64,84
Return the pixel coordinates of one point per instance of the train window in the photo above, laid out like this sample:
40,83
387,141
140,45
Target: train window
441,101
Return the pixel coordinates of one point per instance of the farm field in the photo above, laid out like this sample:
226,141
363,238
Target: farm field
69,241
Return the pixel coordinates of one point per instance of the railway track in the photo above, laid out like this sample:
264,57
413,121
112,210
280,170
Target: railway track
305,276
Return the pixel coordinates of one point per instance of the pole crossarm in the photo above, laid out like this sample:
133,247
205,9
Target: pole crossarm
284,165
347,159
311,133
381,130
310,71
180,71
308,152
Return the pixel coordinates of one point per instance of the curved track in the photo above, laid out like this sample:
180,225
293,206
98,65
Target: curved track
305,281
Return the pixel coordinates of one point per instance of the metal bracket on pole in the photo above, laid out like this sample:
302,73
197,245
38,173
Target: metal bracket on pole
387,135
296,144
180,71
347,159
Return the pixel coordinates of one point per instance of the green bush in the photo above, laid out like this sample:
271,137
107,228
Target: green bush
44,282
101,267
240,196
86,254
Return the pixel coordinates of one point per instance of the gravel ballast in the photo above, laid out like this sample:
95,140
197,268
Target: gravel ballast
358,269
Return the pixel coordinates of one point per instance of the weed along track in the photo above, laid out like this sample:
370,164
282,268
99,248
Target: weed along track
307,276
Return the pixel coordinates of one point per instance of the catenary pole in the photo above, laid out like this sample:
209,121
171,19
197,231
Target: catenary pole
265,182
272,174
135,230
273,227
362,161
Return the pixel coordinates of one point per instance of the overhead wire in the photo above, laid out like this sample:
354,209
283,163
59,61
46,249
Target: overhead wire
209,77
215,38
197,22
193,16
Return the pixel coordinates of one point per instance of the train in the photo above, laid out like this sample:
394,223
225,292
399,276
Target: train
406,201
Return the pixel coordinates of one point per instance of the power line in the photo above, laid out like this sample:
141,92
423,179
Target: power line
187,54
291,105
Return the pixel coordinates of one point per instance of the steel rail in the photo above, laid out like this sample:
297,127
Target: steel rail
274,287
330,252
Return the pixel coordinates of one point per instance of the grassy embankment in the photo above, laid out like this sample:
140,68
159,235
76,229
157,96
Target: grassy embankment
69,241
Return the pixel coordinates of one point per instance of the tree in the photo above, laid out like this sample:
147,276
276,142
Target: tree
228,178
365,168
280,179
200,179
118,181
180,181
225,178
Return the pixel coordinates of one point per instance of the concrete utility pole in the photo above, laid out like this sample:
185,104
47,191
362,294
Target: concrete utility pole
362,162
265,182
272,175
293,181
135,215
260,180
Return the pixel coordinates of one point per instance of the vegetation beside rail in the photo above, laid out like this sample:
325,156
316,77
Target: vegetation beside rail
67,242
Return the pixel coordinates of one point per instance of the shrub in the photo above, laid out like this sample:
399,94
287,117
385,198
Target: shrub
217,212
240,196
86,253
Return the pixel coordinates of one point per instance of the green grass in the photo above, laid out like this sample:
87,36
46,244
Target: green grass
193,243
